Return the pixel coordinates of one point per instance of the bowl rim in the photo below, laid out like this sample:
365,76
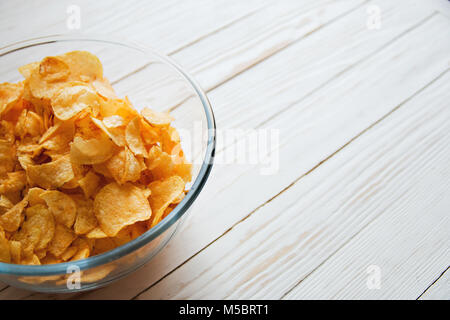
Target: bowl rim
177,212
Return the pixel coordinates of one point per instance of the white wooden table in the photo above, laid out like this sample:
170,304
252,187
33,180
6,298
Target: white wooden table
359,92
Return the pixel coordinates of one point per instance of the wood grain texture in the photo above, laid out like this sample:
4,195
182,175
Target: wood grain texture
287,239
439,289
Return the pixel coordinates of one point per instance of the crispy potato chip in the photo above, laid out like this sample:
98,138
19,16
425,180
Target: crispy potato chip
113,122
5,204
134,139
123,166
27,69
51,175
58,137
104,89
91,151
15,181
61,241
61,206
69,253
155,118
116,134
89,183
34,196
12,219
86,220
5,254
73,98
83,64
15,248
37,230
96,233
7,154
163,194
117,206
83,249
103,244
53,69
9,95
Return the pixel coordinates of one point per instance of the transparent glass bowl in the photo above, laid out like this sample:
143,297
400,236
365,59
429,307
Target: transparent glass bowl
148,79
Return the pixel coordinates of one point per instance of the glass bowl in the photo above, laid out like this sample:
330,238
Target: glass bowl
148,79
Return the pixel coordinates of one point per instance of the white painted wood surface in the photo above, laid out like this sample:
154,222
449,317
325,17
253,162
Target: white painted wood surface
363,117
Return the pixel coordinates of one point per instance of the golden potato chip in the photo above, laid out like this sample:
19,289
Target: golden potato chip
96,233
12,219
116,134
15,251
61,206
9,95
51,175
104,89
5,254
117,206
83,249
53,69
37,230
5,204
73,98
134,139
34,196
58,137
34,261
7,155
124,166
89,183
113,122
103,244
86,220
83,63
155,118
61,241
27,69
69,253
163,194
15,181
91,151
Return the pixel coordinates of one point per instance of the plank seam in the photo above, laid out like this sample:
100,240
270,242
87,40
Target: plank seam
436,280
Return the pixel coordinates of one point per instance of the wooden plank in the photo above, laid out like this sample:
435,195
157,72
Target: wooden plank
439,289
154,23
393,173
324,137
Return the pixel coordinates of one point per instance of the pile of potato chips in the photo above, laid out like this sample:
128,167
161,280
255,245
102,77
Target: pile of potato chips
81,171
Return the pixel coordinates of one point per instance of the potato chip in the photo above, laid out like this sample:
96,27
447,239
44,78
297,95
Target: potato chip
34,196
5,254
104,89
89,183
51,175
134,139
117,206
83,63
85,220
96,233
33,261
15,248
113,122
163,194
53,69
61,206
12,219
58,137
69,253
83,249
27,69
91,151
61,241
15,181
5,204
37,230
116,134
73,98
7,155
155,118
9,95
